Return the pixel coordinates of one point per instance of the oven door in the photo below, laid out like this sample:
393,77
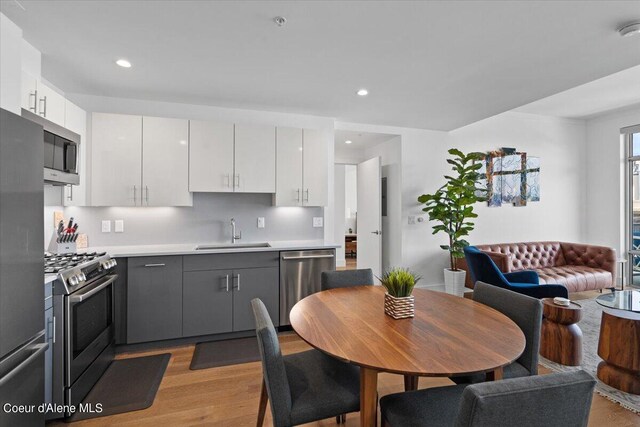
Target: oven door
88,325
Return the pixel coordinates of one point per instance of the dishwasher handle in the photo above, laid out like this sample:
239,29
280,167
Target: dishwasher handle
291,258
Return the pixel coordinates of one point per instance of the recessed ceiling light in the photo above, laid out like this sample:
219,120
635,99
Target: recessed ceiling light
280,21
348,141
123,63
630,29
363,92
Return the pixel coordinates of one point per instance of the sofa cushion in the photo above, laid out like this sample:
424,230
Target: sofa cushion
529,255
576,278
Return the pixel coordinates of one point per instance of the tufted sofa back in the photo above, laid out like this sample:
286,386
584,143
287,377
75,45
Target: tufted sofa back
589,256
529,255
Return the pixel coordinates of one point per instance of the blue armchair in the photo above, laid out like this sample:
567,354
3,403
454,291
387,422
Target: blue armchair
482,268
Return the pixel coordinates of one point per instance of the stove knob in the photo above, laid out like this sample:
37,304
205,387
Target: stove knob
73,280
82,277
114,262
104,265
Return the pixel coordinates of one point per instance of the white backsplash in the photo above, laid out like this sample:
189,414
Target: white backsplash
207,221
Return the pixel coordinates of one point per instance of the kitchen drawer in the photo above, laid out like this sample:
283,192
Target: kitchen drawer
231,261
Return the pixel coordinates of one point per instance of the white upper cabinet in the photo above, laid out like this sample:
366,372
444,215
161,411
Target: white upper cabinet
116,160
51,104
165,162
303,169
40,99
315,168
29,92
210,156
255,159
289,167
76,121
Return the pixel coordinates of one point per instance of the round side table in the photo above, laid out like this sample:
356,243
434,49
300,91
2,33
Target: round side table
560,337
619,348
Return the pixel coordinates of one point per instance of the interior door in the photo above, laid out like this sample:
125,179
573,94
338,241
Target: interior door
370,215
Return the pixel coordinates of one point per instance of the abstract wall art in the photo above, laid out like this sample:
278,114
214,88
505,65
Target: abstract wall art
512,177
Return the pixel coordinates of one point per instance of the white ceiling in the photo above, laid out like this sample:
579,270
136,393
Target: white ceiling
360,141
436,65
619,90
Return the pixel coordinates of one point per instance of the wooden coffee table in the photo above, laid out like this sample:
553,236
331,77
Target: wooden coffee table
560,337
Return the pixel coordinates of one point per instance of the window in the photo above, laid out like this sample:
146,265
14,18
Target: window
632,140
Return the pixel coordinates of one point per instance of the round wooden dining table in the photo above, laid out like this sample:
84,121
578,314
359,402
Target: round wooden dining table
448,336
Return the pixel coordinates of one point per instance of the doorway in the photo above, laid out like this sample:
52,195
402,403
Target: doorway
367,200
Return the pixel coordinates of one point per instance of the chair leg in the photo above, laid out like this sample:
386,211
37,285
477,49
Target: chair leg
341,419
262,406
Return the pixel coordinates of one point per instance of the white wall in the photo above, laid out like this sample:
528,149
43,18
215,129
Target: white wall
605,181
350,212
560,215
338,212
390,153
10,65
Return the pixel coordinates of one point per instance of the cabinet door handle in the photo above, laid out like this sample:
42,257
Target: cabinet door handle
238,277
307,192
70,196
228,180
35,100
146,187
227,283
298,195
234,180
155,265
43,111
135,196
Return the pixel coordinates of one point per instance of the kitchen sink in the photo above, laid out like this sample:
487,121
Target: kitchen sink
233,246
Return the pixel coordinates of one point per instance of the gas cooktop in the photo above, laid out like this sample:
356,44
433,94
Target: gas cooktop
55,263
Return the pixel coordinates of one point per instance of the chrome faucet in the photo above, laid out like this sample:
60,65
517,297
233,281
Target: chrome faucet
233,232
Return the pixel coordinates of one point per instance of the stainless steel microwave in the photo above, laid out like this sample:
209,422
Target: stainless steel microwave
60,151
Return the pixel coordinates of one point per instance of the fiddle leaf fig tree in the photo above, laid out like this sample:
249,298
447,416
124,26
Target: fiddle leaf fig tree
451,206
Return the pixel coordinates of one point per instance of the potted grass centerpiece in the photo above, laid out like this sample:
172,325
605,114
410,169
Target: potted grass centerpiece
398,301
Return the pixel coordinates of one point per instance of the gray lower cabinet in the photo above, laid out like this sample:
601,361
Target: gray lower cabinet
207,302
154,298
250,283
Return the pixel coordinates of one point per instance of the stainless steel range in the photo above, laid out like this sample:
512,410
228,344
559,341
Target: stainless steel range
83,299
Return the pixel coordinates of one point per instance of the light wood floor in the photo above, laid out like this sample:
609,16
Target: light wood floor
228,396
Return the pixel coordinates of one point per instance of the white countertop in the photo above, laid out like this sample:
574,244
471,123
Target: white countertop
190,248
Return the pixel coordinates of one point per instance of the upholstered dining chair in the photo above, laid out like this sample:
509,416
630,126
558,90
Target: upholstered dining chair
302,387
346,278
554,400
526,312
527,282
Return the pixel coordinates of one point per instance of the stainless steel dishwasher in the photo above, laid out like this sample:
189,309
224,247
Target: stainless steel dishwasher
300,276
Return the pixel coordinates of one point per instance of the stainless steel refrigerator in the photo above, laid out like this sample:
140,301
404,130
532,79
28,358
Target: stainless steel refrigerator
22,343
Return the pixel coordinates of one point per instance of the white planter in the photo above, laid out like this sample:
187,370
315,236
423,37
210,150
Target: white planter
454,281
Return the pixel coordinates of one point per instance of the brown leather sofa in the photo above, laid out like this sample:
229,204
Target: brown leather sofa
578,267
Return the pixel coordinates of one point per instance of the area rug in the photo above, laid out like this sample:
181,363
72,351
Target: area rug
590,326
127,385
227,352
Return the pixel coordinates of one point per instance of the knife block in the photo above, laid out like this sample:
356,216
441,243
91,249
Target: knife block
61,248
